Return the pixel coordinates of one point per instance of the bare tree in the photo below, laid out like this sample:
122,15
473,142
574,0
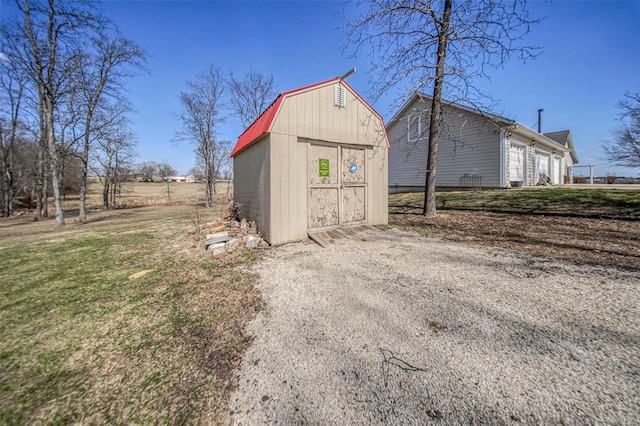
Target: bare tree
114,160
250,95
100,71
197,172
201,114
51,28
148,170
12,85
421,44
624,148
166,170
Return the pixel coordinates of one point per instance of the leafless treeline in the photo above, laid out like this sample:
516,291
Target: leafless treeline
206,103
63,112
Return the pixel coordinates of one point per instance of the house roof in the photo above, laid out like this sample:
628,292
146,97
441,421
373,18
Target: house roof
564,137
262,126
499,120
420,96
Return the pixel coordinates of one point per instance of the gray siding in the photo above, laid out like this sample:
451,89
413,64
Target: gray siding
467,144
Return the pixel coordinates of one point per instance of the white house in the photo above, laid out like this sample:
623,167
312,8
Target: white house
475,149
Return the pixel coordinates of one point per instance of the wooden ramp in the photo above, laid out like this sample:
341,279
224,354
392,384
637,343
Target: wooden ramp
327,236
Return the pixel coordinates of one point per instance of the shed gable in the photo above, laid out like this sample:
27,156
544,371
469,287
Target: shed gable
316,110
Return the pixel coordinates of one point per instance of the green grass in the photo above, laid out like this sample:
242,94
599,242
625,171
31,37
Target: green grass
81,342
619,204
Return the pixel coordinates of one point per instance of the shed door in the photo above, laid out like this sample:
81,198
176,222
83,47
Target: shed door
353,185
337,185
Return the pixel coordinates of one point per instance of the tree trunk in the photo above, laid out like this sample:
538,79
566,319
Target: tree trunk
82,215
429,207
8,180
55,166
41,184
106,187
84,158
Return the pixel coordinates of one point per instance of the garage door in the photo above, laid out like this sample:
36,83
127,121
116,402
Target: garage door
516,163
336,186
557,171
541,166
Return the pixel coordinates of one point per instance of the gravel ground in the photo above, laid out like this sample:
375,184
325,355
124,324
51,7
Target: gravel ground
395,328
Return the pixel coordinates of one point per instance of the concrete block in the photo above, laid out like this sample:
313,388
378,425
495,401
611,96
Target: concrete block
218,237
251,241
217,249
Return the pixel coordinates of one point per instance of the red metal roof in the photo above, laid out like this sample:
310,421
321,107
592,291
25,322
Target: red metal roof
262,125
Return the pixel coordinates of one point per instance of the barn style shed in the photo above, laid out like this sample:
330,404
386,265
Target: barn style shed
315,159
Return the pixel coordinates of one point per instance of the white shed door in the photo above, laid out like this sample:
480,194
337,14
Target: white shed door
541,166
557,171
516,163
337,186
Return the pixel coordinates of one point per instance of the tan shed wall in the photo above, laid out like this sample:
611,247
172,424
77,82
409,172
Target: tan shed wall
377,185
288,189
252,185
311,115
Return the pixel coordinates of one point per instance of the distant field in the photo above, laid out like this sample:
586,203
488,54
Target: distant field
597,226
155,193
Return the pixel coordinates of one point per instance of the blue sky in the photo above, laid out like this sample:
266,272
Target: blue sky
591,55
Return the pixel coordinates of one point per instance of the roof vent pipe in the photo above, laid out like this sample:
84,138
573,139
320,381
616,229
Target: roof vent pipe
348,73
540,111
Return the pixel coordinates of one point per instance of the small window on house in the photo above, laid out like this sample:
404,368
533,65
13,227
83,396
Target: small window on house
340,96
417,125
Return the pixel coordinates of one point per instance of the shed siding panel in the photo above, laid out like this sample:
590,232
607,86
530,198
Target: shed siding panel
355,124
467,144
251,185
289,189
377,185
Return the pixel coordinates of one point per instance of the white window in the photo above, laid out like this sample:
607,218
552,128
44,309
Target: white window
340,96
417,126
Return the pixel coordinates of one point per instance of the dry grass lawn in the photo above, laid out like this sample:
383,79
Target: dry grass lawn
595,226
121,320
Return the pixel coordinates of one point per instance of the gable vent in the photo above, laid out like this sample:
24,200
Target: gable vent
340,96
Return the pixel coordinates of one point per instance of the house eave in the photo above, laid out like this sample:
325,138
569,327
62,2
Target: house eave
536,137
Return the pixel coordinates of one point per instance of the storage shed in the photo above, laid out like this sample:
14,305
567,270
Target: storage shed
315,159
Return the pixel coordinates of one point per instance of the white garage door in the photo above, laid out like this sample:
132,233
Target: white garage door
557,171
541,166
516,163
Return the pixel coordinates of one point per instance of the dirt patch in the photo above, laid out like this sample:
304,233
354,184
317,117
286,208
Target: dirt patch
558,232
596,241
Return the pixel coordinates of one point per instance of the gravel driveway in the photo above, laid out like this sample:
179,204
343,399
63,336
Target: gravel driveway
392,327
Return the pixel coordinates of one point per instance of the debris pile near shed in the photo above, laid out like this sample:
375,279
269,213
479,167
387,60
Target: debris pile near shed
228,234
